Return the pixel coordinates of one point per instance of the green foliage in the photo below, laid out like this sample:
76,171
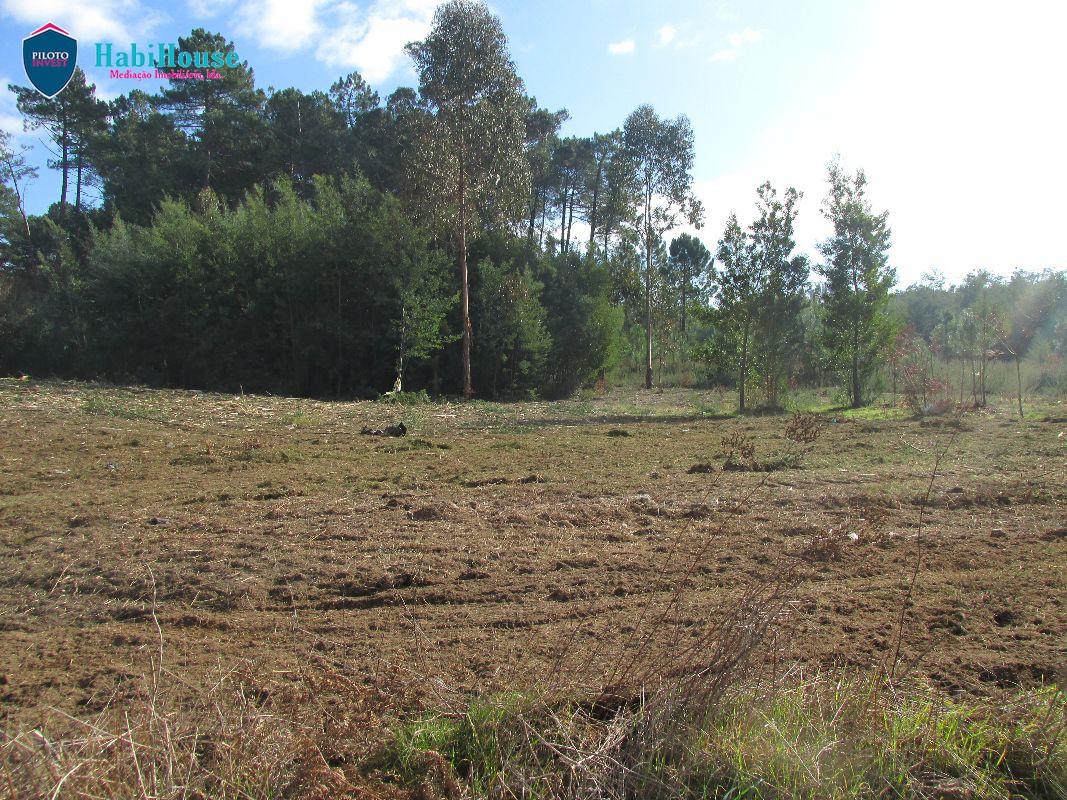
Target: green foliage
73,121
468,164
661,155
583,321
761,292
223,118
782,281
510,328
295,241
317,292
689,273
856,329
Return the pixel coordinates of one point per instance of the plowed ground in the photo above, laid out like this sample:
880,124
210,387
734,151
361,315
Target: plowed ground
499,545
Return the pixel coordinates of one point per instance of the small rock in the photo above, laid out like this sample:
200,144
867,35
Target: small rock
158,521
998,533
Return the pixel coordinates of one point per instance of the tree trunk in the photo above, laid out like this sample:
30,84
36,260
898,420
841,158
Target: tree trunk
533,215
78,183
982,377
743,372
468,390
857,400
593,204
685,284
338,332
570,222
648,310
1019,382
563,224
857,390
544,216
64,168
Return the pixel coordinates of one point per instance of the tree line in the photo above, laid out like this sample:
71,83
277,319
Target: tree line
219,235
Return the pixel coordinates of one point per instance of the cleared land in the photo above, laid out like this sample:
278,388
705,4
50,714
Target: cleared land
498,544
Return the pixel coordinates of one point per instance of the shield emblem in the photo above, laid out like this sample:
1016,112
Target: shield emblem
50,55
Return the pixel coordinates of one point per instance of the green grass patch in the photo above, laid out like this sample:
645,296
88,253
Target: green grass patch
476,743
299,419
844,740
110,407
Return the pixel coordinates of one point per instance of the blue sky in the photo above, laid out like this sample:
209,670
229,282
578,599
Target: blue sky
955,109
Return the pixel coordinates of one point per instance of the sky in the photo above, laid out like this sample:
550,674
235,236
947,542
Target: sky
955,110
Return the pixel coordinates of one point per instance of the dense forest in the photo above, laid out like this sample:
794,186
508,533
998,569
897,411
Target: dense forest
218,235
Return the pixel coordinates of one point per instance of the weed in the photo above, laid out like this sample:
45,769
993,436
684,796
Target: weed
739,451
106,406
418,398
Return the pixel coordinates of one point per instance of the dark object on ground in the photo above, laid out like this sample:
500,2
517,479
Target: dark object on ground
618,432
393,430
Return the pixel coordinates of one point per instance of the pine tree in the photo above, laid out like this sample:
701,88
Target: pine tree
858,278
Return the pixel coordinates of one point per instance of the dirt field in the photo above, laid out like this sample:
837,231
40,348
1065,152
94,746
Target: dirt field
499,544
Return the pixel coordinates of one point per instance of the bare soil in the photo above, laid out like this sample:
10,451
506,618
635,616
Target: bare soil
497,545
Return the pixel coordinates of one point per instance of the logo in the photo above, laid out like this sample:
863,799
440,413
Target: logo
49,55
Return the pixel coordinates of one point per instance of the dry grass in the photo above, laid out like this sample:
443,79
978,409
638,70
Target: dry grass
345,616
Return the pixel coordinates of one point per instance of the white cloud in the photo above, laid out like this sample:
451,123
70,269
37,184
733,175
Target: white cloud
737,41
369,37
10,119
747,36
103,20
725,13
205,9
281,24
373,41
958,181
667,33
623,48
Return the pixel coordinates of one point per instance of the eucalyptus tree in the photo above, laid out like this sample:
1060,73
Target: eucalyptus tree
469,163
856,328
661,154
